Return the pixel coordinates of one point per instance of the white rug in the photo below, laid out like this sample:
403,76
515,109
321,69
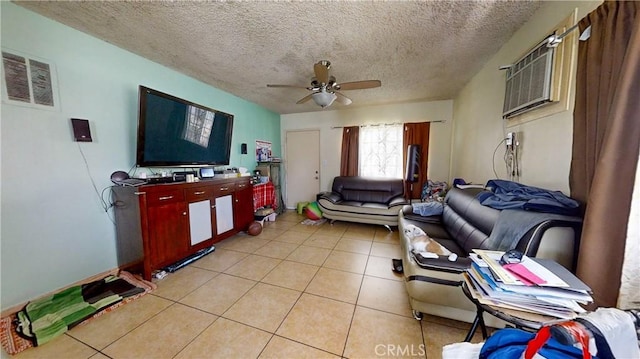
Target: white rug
311,222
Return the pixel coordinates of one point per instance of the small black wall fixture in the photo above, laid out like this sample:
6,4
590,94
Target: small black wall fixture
81,130
243,149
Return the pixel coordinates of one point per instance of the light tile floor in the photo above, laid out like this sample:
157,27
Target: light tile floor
294,291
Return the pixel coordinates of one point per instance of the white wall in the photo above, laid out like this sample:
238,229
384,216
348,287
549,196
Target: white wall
54,230
478,124
331,138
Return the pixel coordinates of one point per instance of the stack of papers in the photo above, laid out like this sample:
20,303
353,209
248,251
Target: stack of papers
534,285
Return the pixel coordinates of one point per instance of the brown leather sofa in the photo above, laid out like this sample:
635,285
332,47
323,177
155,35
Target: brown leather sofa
465,224
363,200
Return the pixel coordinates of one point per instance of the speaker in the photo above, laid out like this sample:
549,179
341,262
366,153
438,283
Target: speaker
413,163
243,149
81,130
118,177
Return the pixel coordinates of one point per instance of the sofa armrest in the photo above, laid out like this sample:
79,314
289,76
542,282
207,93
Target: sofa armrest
407,212
333,197
398,201
554,239
443,264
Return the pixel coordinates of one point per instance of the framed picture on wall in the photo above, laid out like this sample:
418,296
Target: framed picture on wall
263,151
27,81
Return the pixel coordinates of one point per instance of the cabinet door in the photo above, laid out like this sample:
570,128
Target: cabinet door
243,206
224,214
201,213
168,232
200,228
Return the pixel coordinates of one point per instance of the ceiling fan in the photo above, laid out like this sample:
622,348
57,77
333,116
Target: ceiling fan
325,88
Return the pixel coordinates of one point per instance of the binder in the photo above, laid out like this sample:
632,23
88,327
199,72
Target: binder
574,282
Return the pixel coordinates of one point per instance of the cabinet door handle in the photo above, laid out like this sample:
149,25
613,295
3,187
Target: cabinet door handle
198,193
214,206
184,213
139,193
241,185
165,198
224,188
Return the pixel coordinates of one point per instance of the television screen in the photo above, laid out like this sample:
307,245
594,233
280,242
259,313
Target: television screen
176,132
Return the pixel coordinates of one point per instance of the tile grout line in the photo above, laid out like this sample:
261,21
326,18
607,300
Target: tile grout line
353,315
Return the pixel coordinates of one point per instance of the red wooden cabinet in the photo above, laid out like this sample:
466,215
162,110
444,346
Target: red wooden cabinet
178,219
243,206
168,227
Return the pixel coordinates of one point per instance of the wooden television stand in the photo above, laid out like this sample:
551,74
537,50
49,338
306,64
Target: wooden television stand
161,224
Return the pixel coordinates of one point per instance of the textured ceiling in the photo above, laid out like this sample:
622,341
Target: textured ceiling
420,50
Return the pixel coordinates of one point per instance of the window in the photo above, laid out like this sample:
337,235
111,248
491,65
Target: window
564,65
380,151
198,126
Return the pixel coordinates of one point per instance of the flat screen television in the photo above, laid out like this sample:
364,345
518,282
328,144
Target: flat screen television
173,132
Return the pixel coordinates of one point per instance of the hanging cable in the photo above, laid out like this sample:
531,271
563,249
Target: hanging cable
95,188
493,162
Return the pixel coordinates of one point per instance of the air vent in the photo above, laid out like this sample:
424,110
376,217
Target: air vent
529,82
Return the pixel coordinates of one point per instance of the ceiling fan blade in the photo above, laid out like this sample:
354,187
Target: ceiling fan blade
321,69
342,99
304,99
359,85
291,86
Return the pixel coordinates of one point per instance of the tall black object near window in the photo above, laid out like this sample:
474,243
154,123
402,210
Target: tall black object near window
412,173
412,168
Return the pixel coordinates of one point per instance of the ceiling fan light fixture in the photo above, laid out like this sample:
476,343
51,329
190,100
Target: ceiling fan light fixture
323,99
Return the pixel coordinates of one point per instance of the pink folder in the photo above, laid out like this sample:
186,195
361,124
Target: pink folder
525,275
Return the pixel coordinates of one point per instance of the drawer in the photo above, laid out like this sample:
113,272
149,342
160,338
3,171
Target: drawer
164,197
223,189
199,193
242,185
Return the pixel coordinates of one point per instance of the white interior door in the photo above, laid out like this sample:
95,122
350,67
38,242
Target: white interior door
302,166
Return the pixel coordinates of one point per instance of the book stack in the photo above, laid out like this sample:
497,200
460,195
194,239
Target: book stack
539,286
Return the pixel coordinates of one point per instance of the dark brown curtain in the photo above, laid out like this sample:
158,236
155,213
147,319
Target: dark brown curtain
349,157
606,140
416,134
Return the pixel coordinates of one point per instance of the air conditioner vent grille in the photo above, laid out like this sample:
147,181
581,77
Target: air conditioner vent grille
529,82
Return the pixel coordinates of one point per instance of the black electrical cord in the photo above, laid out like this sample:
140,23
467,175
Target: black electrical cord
493,159
95,188
105,206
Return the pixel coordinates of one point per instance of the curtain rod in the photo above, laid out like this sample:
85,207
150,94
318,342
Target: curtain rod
382,124
555,40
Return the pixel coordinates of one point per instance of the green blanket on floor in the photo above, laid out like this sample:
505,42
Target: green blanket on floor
46,318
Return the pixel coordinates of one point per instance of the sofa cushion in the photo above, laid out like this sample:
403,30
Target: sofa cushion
359,207
465,203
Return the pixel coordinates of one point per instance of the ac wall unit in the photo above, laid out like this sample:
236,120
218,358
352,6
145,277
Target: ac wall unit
529,81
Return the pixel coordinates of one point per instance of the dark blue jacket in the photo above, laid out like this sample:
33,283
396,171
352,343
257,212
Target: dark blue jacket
512,195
